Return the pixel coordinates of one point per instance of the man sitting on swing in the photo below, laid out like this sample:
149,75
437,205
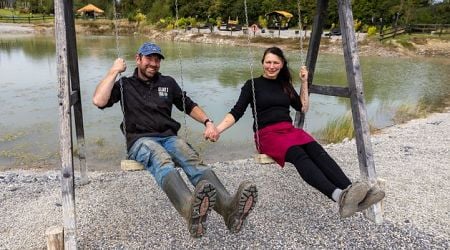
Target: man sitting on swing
151,135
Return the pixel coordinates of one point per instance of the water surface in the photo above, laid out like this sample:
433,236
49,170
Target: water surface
211,74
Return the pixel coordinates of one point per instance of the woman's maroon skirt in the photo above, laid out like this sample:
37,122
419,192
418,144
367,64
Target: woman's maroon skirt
276,139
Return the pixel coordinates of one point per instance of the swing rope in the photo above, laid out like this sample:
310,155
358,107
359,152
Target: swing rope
180,60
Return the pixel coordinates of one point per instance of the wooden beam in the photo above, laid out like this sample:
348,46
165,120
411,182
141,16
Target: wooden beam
360,119
131,165
75,84
330,90
74,97
263,159
313,50
65,130
55,238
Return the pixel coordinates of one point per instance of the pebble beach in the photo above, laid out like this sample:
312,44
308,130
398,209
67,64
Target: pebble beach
127,210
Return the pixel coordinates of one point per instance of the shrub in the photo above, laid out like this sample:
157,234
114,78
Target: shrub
372,30
139,17
357,24
219,21
161,24
262,22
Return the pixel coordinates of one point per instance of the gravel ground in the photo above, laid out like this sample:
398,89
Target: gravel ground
126,210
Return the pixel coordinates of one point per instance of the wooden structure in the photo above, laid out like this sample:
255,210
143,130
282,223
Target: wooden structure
90,10
55,238
354,91
278,19
68,97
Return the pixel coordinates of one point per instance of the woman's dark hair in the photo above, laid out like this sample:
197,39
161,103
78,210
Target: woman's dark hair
285,75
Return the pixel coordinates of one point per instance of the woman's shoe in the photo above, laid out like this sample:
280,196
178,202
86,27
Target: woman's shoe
351,197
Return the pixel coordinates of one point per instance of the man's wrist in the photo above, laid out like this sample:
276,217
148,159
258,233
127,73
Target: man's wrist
206,121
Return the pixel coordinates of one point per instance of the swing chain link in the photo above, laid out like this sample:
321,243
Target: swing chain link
300,27
250,58
301,38
180,59
122,100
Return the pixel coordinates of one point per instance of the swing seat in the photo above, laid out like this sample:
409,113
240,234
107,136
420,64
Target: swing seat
131,165
263,159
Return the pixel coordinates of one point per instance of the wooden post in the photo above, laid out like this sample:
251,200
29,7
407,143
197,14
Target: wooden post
313,50
65,131
75,90
55,238
360,120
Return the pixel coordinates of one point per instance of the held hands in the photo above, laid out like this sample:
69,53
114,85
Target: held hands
119,65
211,133
304,96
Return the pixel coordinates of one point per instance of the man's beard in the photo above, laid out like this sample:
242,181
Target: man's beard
148,75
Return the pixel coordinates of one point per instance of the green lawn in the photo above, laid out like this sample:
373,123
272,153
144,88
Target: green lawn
9,12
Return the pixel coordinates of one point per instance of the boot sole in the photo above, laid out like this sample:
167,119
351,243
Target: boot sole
247,201
205,198
352,198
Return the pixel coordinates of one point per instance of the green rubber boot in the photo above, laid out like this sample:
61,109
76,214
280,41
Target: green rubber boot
193,207
234,209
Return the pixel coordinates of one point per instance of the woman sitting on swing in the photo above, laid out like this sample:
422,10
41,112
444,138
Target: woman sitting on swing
277,138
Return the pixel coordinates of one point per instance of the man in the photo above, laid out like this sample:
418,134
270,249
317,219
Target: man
151,134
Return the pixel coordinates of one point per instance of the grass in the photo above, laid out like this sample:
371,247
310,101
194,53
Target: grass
406,44
407,112
8,12
16,13
342,127
339,129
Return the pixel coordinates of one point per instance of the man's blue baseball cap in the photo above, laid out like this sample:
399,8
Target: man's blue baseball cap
150,48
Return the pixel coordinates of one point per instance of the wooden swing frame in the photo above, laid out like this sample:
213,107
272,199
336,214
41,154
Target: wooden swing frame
69,97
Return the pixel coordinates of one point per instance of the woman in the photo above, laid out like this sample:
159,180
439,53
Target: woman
276,137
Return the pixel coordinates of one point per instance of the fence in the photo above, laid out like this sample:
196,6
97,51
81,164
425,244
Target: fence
415,28
36,19
23,19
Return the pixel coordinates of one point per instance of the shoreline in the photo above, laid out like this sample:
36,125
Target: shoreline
128,210
428,47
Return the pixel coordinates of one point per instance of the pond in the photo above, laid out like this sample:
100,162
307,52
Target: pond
212,75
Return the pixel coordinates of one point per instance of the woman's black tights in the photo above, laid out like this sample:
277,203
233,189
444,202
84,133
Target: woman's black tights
317,168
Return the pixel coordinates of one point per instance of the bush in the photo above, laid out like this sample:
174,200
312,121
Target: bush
139,17
262,22
357,24
372,30
182,22
218,21
161,24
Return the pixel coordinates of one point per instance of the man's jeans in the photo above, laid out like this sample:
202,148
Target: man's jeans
159,155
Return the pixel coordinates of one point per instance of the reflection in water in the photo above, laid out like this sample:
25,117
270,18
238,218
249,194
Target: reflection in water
212,76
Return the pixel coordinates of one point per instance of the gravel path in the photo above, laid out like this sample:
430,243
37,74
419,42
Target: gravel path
126,210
